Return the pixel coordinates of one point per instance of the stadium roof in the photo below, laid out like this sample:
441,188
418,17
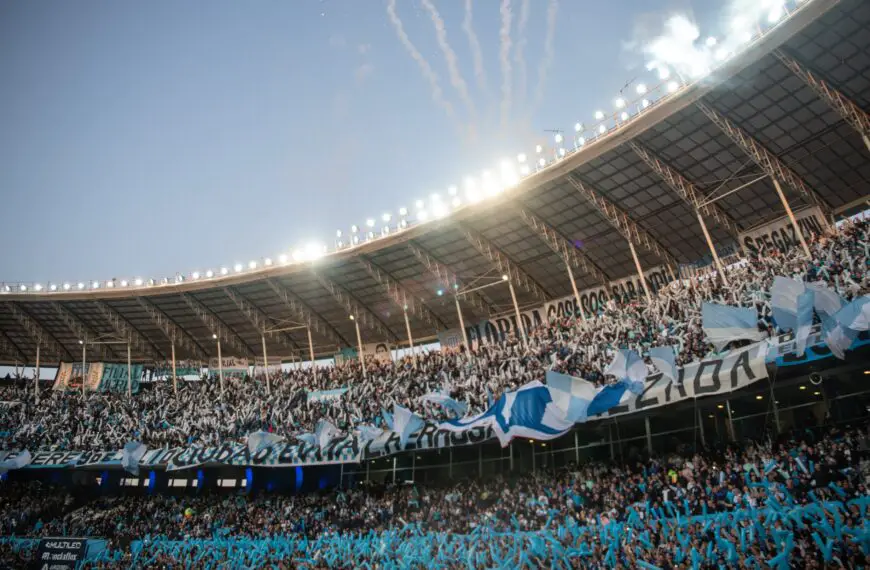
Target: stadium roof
792,104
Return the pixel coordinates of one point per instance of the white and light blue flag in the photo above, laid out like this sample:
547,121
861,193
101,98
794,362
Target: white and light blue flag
665,360
368,433
132,453
724,324
784,302
804,316
307,438
528,412
825,301
571,395
324,432
405,422
856,315
259,440
443,399
628,367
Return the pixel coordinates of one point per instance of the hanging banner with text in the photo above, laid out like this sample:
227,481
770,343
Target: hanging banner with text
232,366
69,376
114,378
780,235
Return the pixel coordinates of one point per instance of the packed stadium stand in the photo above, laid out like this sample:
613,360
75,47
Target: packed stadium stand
660,365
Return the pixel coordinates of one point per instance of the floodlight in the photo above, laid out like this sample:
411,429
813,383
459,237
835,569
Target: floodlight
561,152
151,282
66,286
22,287
521,158
237,267
776,13
578,127
214,336
81,341
620,103
370,223
355,240
602,129
435,197
711,41
37,287
581,141
538,148
599,115
558,138
504,277
385,230
440,292
95,285
351,317
339,244
386,217
422,215
110,284
439,210
138,282
338,233
282,259
403,224
451,190
420,204
644,103
267,262
179,278
664,73
524,170
624,116
456,202
673,86
370,235
252,265
403,211
542,162
641,88
81,286
52,287
354,228
164,281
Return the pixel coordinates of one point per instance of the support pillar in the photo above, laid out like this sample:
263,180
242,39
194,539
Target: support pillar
576,448
649,446
797,228
511,455
84,366
640,272
220,367
574,290
174,375
716,260
462,326
266,365
610,440
410,338
36,379
129,372
394,469
360,344
522,329
480,461
730,423
775,408
701,427
311,354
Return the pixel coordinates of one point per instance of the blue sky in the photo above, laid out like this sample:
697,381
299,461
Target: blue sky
141,139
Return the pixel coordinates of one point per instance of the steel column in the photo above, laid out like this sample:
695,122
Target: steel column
311,354
640,273
462,325
410,338
174,375
520,327
730,425
576,292
797,228
36,382
129,372
712,249
266,365
649,445
360,345
220,367
84,342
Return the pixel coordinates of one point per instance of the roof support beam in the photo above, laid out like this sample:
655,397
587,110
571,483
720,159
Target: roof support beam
690,194
447,278
83,332
623,223
848,110
503,263
9,348
400,296
306,314
217,326
173,332
258,318
125,329
562,247
765,159
38,333
353,307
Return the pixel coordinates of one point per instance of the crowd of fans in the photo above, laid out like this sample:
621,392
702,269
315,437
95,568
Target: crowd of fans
799,502
201,414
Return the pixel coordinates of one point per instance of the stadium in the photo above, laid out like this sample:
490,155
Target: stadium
541,373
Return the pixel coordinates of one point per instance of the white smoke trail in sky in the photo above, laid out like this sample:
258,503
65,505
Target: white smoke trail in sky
504,58
450,56
519,54
476,52
680,48
549,52
428,73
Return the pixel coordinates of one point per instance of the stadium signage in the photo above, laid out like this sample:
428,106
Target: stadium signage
495,329
780,235
60,553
